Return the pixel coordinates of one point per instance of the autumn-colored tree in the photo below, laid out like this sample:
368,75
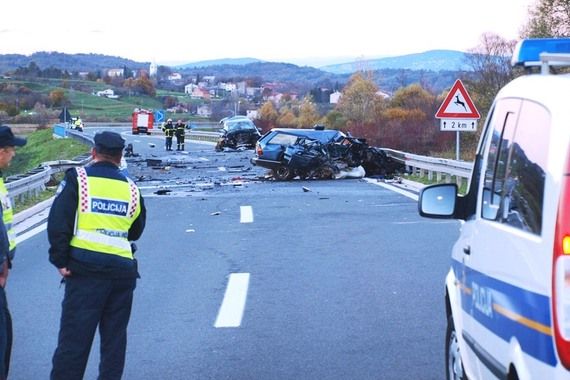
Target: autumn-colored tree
57,97
287,118
308,114
359,102
267,117
415,97
548,18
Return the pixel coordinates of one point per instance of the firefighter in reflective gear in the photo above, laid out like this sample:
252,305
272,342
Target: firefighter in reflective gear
8,142
95,216
180,130
168,130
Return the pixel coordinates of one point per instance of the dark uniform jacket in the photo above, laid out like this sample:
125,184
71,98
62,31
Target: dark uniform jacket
61,223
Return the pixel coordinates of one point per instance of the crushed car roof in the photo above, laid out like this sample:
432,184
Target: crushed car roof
323,136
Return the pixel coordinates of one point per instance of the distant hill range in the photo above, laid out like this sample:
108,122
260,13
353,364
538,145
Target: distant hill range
69,62
432,60
436,68
219,62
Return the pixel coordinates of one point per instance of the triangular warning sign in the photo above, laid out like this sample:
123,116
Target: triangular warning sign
458,104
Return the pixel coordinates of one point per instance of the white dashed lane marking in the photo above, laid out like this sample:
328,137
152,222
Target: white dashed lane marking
233,305
246,214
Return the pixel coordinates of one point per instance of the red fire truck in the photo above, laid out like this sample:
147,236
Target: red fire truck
143,121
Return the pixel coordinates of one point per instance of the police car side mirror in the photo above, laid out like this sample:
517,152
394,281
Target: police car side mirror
438,201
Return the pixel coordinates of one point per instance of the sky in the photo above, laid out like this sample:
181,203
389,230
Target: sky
304,32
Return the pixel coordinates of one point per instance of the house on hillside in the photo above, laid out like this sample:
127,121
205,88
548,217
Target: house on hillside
175,77
335,97
106,92
115,73
200,93
189,88
204,110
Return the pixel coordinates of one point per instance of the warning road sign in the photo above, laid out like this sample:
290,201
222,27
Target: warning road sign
458,104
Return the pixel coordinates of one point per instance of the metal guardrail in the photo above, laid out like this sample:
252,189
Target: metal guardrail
34,181
430,166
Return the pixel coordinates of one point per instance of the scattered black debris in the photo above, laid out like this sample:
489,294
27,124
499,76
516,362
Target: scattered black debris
162,191
129,151
153,162
306,189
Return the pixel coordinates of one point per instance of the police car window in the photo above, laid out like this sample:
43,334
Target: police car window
503,126
524,183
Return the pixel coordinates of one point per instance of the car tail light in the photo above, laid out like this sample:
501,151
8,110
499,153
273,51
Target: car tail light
258,150
561,273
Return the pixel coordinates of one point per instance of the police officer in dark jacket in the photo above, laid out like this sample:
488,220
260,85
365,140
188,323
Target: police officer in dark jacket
95,216
8,144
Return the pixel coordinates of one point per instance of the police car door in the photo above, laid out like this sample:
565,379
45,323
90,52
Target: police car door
501,266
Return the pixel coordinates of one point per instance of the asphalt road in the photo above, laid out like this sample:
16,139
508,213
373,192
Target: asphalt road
325,279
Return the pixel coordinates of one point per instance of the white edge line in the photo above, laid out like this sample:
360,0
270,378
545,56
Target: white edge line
33,232
393,188
233,305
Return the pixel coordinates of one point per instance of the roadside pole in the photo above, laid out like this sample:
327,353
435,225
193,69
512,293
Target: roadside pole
458,113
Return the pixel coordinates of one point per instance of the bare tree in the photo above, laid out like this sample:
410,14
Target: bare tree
490,61
548,18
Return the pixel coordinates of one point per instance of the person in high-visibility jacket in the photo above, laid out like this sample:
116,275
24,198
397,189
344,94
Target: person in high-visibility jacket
8,142
168,130
180,131
95,216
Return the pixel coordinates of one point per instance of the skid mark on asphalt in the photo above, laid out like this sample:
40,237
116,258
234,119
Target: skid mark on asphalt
233,305
246,214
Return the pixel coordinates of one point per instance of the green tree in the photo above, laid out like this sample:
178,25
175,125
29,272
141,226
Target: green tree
548,18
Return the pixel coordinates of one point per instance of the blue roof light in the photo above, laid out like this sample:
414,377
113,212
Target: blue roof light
527,52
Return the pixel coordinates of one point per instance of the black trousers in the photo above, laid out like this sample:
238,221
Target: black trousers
179,142
88,303
168,142
5,335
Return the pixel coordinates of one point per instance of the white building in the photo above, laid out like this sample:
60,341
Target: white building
153,70
335,97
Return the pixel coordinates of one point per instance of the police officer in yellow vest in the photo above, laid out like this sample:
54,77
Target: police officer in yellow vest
8,142
95,216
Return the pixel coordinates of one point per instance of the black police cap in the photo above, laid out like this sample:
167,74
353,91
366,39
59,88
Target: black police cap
7,138
109,140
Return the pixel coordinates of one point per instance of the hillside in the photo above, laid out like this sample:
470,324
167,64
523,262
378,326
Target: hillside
218,62
433,60
436,69
69,62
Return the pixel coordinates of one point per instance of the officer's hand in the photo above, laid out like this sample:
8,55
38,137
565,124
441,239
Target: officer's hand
64,272
4,274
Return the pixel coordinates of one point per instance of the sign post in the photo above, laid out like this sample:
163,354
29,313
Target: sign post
458,113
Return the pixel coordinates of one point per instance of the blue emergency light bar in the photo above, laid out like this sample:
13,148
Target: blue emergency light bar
528,51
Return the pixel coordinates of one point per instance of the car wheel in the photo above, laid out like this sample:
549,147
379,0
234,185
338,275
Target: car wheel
454,365
283,173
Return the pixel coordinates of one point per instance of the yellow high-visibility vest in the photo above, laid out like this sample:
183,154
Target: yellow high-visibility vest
106,210
7,214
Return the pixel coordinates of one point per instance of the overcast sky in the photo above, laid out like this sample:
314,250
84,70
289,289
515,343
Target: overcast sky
297,31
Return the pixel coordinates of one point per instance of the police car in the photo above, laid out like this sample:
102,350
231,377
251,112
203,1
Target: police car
507,292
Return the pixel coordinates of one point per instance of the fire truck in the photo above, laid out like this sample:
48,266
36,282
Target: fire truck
143,121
